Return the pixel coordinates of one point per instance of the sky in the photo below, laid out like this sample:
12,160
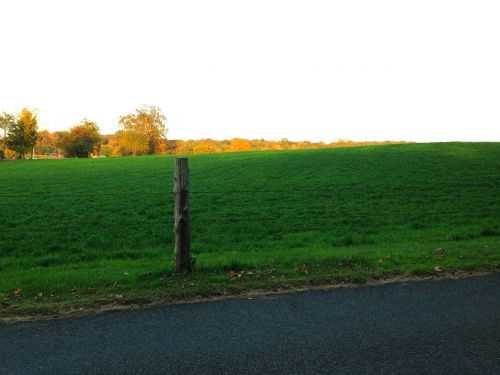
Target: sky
303,70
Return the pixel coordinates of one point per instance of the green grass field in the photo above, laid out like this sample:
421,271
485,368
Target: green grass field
80,233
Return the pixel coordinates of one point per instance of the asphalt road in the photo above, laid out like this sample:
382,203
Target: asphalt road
434,327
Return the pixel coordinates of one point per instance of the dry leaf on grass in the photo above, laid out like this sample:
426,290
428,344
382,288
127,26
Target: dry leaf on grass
17,293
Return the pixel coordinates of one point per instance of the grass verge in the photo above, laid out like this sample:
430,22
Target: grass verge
98,286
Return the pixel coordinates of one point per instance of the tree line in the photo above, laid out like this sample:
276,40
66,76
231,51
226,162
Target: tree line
140,133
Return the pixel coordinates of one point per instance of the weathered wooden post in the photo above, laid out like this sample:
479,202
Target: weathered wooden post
181,216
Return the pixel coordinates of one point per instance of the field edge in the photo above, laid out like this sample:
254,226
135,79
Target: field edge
85,307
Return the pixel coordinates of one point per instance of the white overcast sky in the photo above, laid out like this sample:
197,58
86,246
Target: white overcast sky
313,70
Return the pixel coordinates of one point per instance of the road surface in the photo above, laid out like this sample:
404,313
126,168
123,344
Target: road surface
434,326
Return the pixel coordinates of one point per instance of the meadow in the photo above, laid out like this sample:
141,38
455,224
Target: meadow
78,233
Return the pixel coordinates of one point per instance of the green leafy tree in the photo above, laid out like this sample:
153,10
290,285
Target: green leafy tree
22,134
7,120
143,131
81,140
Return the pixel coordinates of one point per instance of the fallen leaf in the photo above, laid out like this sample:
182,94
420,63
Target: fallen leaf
17,293
233,274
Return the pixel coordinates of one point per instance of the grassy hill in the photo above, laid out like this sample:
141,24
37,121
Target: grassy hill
81,232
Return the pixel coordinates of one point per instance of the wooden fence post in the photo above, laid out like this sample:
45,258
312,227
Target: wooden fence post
181,216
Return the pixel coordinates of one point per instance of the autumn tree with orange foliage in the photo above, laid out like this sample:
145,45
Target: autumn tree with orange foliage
142,132
82,140
240,144
47,143
206,146
7,121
